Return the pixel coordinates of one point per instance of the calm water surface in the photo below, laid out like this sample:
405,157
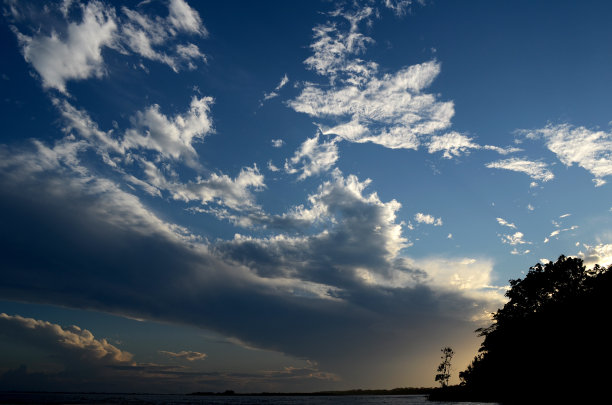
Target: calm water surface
137,399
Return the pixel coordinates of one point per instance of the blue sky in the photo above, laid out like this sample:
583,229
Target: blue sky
277,196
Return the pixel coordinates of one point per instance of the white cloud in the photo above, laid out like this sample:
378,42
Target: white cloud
427,219
362,106
146,36
360,237
77,56
514,239
190,51
597,254
556,232
267,96
171,137
450,236
313,157
234,193
589,149
332,48
272,167
503,222
282,83
390,111
277,143
77,53
471,276
454,144
535,170
530,207
399,7
184,18
599,182
187,355
565,215
79,121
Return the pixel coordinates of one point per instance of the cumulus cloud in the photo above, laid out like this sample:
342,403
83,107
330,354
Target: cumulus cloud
536,170
77,360
313,157
597,254
78,344
589,149
470,275
427,219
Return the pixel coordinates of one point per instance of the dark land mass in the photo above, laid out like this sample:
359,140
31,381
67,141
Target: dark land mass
550,343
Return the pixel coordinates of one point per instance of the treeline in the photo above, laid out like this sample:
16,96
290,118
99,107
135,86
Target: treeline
550,343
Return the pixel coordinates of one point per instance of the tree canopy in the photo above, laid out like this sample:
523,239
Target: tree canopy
551,339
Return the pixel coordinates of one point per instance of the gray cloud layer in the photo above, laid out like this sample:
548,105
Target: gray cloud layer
78,240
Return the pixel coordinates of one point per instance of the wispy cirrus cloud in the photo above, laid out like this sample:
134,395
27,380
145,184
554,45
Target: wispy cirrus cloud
454,144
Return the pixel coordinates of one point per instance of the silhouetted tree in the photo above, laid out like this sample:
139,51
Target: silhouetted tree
445,367
550,339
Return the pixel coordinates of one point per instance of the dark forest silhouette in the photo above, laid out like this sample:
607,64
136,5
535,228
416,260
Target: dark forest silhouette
550,342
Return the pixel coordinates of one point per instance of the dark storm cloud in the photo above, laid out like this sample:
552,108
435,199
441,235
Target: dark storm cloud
71,238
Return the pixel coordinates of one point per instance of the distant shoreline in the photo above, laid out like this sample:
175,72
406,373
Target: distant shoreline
394,391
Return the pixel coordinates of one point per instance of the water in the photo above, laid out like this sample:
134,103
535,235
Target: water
148,399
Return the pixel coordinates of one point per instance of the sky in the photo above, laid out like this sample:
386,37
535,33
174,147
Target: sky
287,196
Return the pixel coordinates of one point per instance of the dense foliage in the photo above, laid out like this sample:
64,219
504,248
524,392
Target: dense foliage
550,340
